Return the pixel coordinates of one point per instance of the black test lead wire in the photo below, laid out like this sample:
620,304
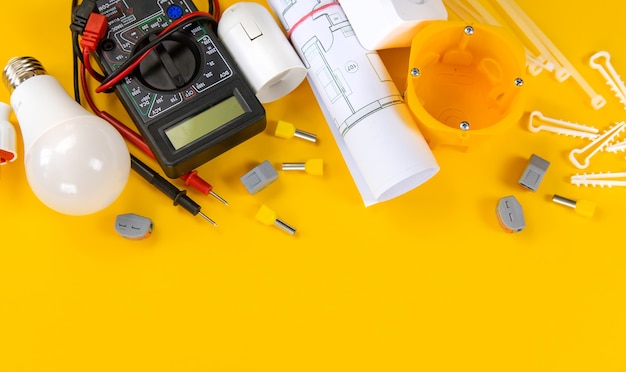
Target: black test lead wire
179,197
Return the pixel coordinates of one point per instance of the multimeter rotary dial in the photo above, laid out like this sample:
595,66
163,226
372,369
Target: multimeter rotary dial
172,65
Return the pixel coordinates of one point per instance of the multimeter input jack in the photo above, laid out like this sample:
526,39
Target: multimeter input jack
171,65
107,45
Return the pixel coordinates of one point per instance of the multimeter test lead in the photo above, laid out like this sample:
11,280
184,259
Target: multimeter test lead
179,197
213,194
192,179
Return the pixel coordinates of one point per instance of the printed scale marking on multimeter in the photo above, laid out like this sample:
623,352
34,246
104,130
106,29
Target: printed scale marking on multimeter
187,97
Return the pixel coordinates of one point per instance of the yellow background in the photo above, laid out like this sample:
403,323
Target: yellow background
425,282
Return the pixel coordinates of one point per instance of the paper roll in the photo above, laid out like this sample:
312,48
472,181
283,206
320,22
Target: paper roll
379,139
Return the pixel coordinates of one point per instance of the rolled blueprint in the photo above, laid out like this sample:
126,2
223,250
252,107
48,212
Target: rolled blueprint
379,140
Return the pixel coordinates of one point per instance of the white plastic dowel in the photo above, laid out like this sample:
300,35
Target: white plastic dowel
580,157
544,43
538,122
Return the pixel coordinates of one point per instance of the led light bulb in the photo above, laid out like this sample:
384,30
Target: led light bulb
75,162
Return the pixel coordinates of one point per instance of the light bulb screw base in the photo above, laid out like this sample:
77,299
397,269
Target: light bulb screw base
20,69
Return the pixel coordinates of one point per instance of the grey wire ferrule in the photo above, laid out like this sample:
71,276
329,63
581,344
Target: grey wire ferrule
284,226
305,135
294,166
564,201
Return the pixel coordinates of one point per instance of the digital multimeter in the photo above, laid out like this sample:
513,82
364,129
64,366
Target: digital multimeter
187,98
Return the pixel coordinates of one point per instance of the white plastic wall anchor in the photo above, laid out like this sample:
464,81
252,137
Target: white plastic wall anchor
535,65
464,12
607,179
580,157
563,68
487,16
616,147
476,12
601,61
536,37
538,122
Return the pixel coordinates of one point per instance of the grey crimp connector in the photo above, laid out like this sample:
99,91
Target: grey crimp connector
132,226
259,177
510,215
534,172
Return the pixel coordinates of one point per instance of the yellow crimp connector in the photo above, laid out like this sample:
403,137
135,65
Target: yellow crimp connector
284,129
314,167
265,215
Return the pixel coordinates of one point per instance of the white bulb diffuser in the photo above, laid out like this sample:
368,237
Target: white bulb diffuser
76,163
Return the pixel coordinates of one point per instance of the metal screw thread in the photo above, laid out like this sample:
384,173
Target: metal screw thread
20,69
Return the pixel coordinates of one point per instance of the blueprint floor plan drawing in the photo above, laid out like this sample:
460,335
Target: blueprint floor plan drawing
341,82
383,148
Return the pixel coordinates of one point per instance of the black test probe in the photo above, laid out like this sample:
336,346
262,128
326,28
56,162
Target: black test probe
179,197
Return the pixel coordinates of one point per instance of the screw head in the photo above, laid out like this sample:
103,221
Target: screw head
415,72
519,82
464,125
469,30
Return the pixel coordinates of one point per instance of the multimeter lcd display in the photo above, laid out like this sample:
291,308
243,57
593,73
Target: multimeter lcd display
200,125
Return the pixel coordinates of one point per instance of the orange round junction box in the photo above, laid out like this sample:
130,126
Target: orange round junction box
465,82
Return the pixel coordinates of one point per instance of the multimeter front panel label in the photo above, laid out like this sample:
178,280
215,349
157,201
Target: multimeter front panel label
150,102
